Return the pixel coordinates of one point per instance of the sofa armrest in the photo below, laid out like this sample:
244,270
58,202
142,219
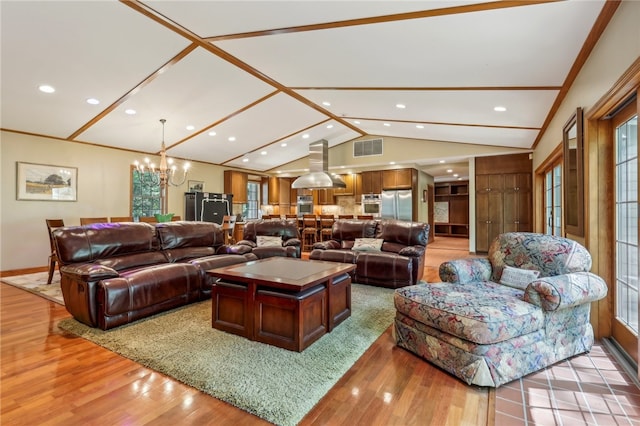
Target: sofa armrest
465,270
292,242
249,243
565,291
327,245
235,249
88,272
412,251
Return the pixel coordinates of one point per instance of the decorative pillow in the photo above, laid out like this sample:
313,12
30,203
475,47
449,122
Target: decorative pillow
266,241
518,278
367,244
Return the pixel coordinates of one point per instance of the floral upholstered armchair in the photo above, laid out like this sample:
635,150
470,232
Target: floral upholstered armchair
495,319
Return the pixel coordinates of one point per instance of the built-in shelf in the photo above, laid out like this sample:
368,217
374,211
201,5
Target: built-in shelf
452,209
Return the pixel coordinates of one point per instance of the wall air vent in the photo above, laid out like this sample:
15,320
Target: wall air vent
367,148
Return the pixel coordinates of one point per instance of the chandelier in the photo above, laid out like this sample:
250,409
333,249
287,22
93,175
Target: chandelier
164,175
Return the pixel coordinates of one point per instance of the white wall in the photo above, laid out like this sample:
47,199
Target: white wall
617,49
103,190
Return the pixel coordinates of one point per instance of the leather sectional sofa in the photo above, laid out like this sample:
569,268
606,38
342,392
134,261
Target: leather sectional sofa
116,273
285,242
398,262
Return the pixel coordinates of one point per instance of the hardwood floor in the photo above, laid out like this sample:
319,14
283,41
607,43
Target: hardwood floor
50,378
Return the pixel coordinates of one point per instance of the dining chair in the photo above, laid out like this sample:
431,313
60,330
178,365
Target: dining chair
228,226
345,216
365,216
90,220
121,219
53,257
176,218
148,219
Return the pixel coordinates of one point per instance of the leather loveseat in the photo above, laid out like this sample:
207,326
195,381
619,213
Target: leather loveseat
269,238
116,273
395,257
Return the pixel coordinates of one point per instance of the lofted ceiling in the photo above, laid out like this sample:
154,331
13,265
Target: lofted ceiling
270,73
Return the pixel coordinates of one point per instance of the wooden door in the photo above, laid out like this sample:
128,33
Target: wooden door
517,202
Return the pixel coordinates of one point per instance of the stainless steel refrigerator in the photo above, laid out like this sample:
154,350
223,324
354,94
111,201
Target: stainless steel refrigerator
397,205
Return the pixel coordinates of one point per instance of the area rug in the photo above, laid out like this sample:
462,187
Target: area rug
275,384
37,284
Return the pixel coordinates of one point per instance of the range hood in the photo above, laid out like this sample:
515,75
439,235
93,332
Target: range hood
319,176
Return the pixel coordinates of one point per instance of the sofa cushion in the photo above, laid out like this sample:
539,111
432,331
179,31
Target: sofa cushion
518,278
367,244
480,312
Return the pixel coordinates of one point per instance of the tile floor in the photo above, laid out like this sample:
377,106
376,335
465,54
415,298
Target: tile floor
590,389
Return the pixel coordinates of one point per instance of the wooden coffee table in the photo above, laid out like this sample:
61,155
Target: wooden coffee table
282,301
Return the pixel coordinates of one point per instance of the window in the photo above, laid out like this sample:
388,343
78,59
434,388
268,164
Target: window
253,200
626,203
553,200
145,193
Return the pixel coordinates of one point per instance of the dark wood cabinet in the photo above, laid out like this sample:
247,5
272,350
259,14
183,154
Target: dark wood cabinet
371,182
357,187
277,191
397,179
456,197
236,183
322,197
504,197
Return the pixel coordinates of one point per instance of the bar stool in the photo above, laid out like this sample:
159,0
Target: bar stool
365,217
326,226
309,231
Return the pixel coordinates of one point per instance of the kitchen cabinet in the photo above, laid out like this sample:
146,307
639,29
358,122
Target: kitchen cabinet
488,210
322,197
371,182
348,179
357,187
397,179
236,183
456,197
277,191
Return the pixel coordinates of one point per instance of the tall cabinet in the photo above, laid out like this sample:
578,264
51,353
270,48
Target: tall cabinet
504,197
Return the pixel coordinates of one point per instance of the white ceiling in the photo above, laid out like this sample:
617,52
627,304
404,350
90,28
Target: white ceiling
260,71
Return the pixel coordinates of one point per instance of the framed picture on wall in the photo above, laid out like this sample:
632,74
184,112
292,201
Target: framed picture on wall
196,186
45,182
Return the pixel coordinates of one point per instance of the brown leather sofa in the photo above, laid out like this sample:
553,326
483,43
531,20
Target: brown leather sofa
286,230
399,262
116,273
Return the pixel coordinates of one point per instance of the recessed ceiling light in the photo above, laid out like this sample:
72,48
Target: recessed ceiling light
231,138
401,106
212,133
46,88
245,160
305,136
325,103
392,162
500,109
356,122
283,144
442,161
419,126
455,175
449,171
130,111
93,101
190,127
387,124
329,126
263,152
